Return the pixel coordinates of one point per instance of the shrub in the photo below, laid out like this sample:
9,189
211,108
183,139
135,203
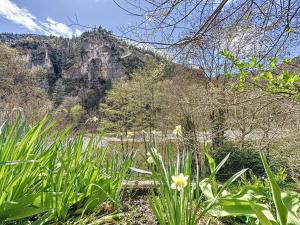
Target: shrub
90,98
240,158
77,112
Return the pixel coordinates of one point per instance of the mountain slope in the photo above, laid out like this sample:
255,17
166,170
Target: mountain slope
84,66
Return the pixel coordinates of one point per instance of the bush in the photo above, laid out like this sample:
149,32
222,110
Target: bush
240,158
77,112
90,98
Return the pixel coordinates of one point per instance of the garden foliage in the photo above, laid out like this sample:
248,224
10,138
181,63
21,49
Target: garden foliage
50,175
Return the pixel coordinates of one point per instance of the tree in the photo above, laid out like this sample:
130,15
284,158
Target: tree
270,77
58,92
187,25
20,86
194,33
131,104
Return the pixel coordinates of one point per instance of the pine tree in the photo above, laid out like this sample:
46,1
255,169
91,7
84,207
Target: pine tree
58,92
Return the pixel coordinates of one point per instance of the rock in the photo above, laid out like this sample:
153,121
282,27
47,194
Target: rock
86,64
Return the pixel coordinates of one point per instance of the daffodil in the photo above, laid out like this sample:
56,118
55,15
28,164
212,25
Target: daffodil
179,182
65,110
94,119
130,134
178,131
155,153
150,159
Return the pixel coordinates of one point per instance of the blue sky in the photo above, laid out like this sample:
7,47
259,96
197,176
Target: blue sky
55,16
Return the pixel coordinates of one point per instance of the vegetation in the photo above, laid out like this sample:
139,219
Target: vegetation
209,128
19,85
54,176
183,198
48,176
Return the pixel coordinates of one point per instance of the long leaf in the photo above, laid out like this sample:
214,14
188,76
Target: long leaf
281,210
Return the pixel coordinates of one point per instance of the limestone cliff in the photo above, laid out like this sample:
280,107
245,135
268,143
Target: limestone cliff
86,65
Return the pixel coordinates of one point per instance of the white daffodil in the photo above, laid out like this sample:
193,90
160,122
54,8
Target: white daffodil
94,119
178,131
65,110
179,182
154,152
130,134
150,159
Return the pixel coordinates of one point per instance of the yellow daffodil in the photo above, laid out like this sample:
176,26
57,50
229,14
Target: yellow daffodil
179,182
178,131
154,152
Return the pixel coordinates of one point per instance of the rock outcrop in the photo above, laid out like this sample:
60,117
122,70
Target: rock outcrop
87,65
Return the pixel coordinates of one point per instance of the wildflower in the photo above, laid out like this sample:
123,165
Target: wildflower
179,182
178,131
94,119
155,153
43,175
129,134
65,110
150,159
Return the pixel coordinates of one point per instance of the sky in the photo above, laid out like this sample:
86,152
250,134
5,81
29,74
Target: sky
56,16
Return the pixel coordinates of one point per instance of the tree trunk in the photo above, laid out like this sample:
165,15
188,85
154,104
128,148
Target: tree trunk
190,141
217,127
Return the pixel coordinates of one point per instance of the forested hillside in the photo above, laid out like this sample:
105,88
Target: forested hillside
72,72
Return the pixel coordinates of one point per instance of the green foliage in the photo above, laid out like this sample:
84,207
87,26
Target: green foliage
240,158
269,76
58,92
131,104
51,175
90,98
77,112
46,174
260,202
182,198
253,205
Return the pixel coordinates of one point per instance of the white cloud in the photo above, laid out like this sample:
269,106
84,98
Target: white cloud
244,41
23,17
77,33
58,29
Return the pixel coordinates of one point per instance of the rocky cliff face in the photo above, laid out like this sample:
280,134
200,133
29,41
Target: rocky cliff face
86,65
